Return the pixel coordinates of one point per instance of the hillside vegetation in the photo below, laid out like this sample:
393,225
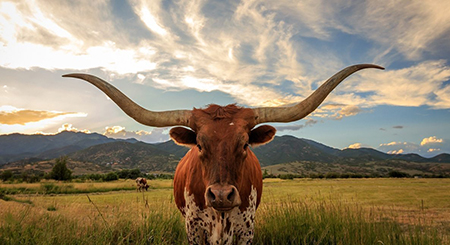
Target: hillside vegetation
93,153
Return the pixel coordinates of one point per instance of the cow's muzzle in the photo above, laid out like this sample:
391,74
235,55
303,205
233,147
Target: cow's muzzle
222,197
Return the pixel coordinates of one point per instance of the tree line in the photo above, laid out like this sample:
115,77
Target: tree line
62,173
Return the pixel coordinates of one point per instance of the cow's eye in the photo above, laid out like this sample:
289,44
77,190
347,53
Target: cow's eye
199,147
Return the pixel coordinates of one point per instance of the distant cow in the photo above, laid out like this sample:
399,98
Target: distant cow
141,184
218,183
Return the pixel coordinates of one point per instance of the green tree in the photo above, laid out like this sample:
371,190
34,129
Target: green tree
397,174
111,176
6,175
60,170
134,173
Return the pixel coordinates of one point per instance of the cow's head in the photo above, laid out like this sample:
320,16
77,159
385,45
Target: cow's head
221,135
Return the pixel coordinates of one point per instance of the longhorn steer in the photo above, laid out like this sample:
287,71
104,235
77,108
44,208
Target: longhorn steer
218,183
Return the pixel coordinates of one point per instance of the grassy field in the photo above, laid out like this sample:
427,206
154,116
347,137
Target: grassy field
301,211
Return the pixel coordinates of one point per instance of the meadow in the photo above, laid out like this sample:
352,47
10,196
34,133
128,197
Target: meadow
299,211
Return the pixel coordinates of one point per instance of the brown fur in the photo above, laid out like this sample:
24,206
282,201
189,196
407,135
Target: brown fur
219,154
141,184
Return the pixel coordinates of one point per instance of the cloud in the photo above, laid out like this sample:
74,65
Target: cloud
337,111
407,26
69,127
399,151
406,87
433,150
354,146
36,29
156,135
428,147
295,127
11,116
431,140
393,143
29,121
199,45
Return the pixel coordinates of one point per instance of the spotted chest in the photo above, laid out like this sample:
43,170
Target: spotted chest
209,226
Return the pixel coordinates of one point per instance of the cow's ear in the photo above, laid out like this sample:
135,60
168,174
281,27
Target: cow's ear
261,135
183,136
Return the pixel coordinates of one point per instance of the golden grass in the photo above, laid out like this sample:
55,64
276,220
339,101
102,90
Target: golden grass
398,200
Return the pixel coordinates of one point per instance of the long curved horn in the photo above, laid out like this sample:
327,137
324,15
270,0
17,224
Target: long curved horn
141,115
304,108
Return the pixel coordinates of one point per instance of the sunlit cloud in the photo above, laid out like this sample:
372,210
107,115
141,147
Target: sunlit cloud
258,53
431,140
69,127
393,143
149,18
22,120
71,51
188,46
337,111
429,146
433,150
355,146
400,151
11,116
419,85
156,135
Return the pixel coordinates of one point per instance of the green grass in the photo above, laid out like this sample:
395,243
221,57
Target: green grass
334,223
54,187
374,211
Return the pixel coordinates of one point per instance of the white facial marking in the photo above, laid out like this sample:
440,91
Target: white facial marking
231,124
213,227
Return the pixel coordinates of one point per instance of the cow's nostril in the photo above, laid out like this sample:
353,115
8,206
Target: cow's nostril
222,197
211,195
231,195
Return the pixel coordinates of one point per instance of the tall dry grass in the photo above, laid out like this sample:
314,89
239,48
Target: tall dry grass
286,216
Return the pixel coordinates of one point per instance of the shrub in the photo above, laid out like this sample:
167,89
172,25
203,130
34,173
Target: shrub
332,175
60,170
111,176
6,175
397,174
48,188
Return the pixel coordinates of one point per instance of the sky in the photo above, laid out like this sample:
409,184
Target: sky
183,54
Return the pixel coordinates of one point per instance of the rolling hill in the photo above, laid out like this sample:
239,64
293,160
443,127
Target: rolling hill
285,154
14,147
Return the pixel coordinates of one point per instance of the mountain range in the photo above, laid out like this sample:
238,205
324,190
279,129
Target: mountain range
92,153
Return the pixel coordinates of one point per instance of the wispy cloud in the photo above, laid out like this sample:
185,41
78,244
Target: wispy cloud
408,26
38,29
419,85
337,111
200,45
295,127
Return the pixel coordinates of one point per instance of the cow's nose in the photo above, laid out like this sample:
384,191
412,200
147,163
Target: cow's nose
222,197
